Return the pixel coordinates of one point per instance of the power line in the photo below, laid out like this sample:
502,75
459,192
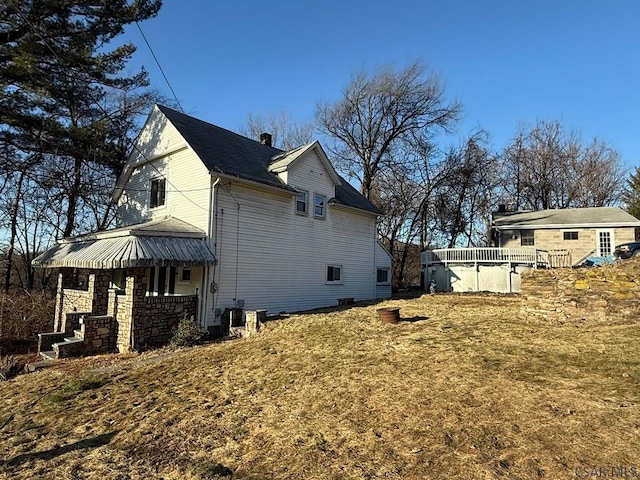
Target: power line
159,66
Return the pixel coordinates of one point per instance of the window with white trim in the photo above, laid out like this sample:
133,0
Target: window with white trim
158,195
185,275
382,276
334,273
527,238
319,205
570,235
301,202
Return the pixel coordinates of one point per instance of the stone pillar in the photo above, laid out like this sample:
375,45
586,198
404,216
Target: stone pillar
112,303
99,333
253,320
58,322
99,282
131,311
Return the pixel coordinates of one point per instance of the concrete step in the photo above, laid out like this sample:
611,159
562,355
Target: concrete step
71,347
48,356
33,366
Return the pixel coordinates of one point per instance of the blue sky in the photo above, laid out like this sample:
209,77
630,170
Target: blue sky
510,62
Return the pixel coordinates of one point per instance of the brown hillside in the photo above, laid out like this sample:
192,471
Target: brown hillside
462,388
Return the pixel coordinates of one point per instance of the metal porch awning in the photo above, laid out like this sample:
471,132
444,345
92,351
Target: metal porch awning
133,247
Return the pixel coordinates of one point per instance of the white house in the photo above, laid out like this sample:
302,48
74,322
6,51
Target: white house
226,222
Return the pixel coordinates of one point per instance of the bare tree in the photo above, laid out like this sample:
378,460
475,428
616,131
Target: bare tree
465,198
378,112
597,176
548,167
286,134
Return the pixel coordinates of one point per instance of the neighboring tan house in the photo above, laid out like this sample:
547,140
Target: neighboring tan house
575,233
210,222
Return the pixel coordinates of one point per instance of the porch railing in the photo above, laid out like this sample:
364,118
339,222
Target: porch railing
487,255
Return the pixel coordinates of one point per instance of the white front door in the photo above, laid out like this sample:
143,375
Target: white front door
604,243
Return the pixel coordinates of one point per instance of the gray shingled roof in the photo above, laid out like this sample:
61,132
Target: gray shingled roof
569,217
225,152
229,154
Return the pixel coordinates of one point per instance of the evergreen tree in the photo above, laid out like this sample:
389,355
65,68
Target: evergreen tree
66,111
631,195
56,76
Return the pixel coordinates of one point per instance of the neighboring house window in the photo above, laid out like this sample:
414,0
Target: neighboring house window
527,238
571,235
157,192
319,205
382,275
334,273
301,202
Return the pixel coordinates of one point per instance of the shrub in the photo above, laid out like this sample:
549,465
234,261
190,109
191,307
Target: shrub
24,314
187,334
10,367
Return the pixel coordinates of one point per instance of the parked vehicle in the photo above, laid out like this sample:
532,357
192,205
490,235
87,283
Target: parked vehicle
627,250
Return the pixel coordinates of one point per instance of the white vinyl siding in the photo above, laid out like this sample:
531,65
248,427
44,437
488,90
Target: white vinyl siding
382,262
187,183
309,174
281,259
267,257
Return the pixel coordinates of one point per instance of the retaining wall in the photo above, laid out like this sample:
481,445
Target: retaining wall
610,293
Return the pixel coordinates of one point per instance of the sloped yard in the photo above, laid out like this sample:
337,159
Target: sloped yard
462,388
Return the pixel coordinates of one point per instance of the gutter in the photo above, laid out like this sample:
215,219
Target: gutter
565,226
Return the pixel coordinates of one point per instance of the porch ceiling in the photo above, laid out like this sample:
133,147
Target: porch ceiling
128,252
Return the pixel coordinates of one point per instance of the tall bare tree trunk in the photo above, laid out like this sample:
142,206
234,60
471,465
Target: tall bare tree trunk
74,195
13,214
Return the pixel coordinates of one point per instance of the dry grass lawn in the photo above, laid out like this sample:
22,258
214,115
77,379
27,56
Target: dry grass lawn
463,388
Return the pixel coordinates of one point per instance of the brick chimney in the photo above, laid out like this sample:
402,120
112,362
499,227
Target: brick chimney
265,139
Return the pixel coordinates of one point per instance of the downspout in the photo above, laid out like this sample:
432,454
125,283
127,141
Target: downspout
375,259
209,278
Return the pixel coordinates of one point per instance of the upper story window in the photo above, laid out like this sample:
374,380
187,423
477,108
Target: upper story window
301,202
319,205
570,235
157,192
527,238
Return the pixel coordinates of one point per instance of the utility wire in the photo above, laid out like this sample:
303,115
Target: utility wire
104,111
159,66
